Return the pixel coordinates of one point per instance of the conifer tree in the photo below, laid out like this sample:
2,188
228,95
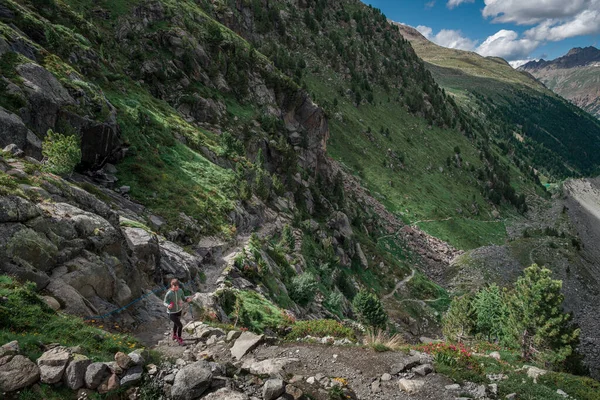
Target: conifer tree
539,323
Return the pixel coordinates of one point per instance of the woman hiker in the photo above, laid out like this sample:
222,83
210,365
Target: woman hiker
174,303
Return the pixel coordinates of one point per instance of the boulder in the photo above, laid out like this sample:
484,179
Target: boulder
423,370
25,272
123,360
232,335
14,131
225,394
110,384
273,388
95,374
270,367
136,357
201,331
247,342
51,301
132,376
17,209
74,376
10,349
33,248
535,372
17,373
191,381
341,223
410,386
144,246
53,363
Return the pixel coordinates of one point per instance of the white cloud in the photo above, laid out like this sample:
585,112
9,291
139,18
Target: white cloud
425,31
517,63
585,23
448,38
455,3
506,44
529,12
429,5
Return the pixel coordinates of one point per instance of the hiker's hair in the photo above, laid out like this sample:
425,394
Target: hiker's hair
174,281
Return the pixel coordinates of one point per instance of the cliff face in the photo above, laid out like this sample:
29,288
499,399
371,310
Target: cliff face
574,76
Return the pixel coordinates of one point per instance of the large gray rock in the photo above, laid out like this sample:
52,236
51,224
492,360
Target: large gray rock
18,372
191,381
25,272
225,394
70,298
46,96
74,376
247,342
132,376
123,360
340,222
10,349
205,303
270,366
410,386
273,388
14,131
17,209
53,363
145,248
95,374
136,357
198,330
33,248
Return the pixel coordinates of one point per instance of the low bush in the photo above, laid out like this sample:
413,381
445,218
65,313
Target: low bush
320,328
380,341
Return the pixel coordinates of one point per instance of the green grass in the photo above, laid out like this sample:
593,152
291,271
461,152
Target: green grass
418,190
320,328
25,317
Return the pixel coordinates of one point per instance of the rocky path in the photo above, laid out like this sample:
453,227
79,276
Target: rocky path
248,364
400,284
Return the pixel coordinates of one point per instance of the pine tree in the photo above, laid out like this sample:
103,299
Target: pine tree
457,323
544,331
489,309
369,309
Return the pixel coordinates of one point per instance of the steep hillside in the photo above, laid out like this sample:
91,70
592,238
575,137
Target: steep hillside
391,125
574,76
201,161
532,122
286,161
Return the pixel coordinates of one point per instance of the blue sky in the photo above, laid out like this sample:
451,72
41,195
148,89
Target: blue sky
516,30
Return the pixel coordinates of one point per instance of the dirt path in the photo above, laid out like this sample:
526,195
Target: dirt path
400,284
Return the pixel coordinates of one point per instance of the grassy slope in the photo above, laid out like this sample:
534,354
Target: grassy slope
519,103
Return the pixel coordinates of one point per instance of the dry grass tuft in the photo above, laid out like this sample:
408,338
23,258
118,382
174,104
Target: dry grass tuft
380,341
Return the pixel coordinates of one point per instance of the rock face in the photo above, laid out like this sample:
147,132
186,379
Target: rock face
13,130
191,381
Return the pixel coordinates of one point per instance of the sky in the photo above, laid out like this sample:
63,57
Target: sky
516,30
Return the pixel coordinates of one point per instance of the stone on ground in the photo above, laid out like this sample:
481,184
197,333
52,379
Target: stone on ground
273,388
123,360
247,342
191,381
95,374
225,394
17,373
74,376
52,364
132,376
423,370
410,386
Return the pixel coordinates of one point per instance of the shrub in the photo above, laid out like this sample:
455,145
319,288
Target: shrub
61,153
320,328
369,309
303,288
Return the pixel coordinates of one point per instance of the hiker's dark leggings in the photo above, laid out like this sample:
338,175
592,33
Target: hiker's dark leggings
177,325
